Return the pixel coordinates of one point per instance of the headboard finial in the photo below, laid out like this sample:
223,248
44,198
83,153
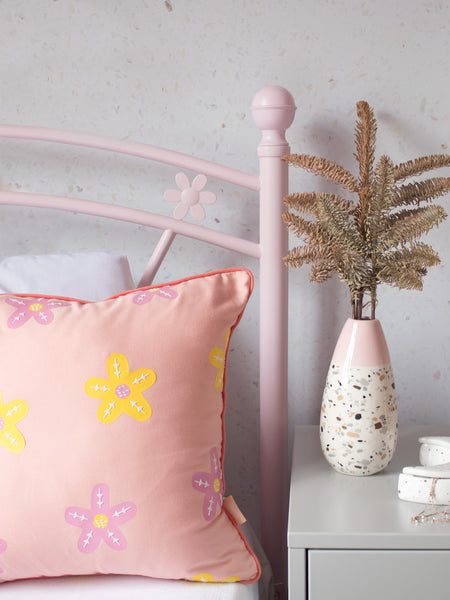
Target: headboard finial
273,109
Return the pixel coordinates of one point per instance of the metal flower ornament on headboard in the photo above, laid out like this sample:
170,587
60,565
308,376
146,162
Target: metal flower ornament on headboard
190,196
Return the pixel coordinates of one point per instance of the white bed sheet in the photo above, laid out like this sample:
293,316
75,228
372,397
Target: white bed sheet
123,587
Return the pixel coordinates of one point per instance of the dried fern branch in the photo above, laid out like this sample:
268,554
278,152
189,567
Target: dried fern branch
327,168
404,277
305,202
417,166
353,270
322,270
312,232
302,202
375,239
421,191
417,255
382,193
365,139
300,226
306,254
338,225
410,225
383,185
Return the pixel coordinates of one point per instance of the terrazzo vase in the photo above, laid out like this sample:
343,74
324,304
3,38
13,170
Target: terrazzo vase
359,419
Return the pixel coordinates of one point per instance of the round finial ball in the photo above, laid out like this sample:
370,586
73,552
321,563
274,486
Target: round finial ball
273,108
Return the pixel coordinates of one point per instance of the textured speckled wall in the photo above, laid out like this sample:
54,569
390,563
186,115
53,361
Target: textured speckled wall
182,74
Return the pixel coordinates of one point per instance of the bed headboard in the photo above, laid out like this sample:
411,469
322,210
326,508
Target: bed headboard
273,111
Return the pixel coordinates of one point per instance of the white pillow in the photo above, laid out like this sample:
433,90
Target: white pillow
91,276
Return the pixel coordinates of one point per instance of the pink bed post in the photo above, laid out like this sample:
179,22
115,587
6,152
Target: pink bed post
273,111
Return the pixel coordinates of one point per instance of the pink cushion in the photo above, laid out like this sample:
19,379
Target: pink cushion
111,433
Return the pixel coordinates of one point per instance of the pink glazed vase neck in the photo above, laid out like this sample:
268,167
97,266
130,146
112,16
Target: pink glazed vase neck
361,344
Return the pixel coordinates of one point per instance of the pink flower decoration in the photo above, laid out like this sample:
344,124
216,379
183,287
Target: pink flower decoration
39,308
100,522
2,549
147,295
190,197
210,484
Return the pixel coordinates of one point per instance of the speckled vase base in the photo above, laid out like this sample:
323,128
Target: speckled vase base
359,419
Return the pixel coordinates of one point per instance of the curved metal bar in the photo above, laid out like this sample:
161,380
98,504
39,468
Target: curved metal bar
132,215
141,150
157,257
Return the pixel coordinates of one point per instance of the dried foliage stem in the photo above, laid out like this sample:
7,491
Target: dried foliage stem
374,239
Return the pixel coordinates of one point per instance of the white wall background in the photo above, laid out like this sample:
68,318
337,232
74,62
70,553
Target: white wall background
182,74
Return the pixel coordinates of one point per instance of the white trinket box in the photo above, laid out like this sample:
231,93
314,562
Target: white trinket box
425,484
434,450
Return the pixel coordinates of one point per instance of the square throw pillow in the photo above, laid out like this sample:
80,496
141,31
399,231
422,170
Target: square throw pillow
111,433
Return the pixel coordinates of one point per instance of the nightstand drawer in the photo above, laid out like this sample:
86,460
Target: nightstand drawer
375,574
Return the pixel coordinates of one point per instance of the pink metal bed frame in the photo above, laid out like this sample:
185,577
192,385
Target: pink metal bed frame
273,112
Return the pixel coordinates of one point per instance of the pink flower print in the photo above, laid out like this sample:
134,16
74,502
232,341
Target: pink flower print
190,197
100,522
2,549
122,392
38,308
145,296
10,414
210,484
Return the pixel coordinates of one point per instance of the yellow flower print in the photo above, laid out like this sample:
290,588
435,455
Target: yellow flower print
122,392
208,578
217,359
10,414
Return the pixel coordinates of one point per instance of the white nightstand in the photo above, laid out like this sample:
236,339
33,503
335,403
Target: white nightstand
351,538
